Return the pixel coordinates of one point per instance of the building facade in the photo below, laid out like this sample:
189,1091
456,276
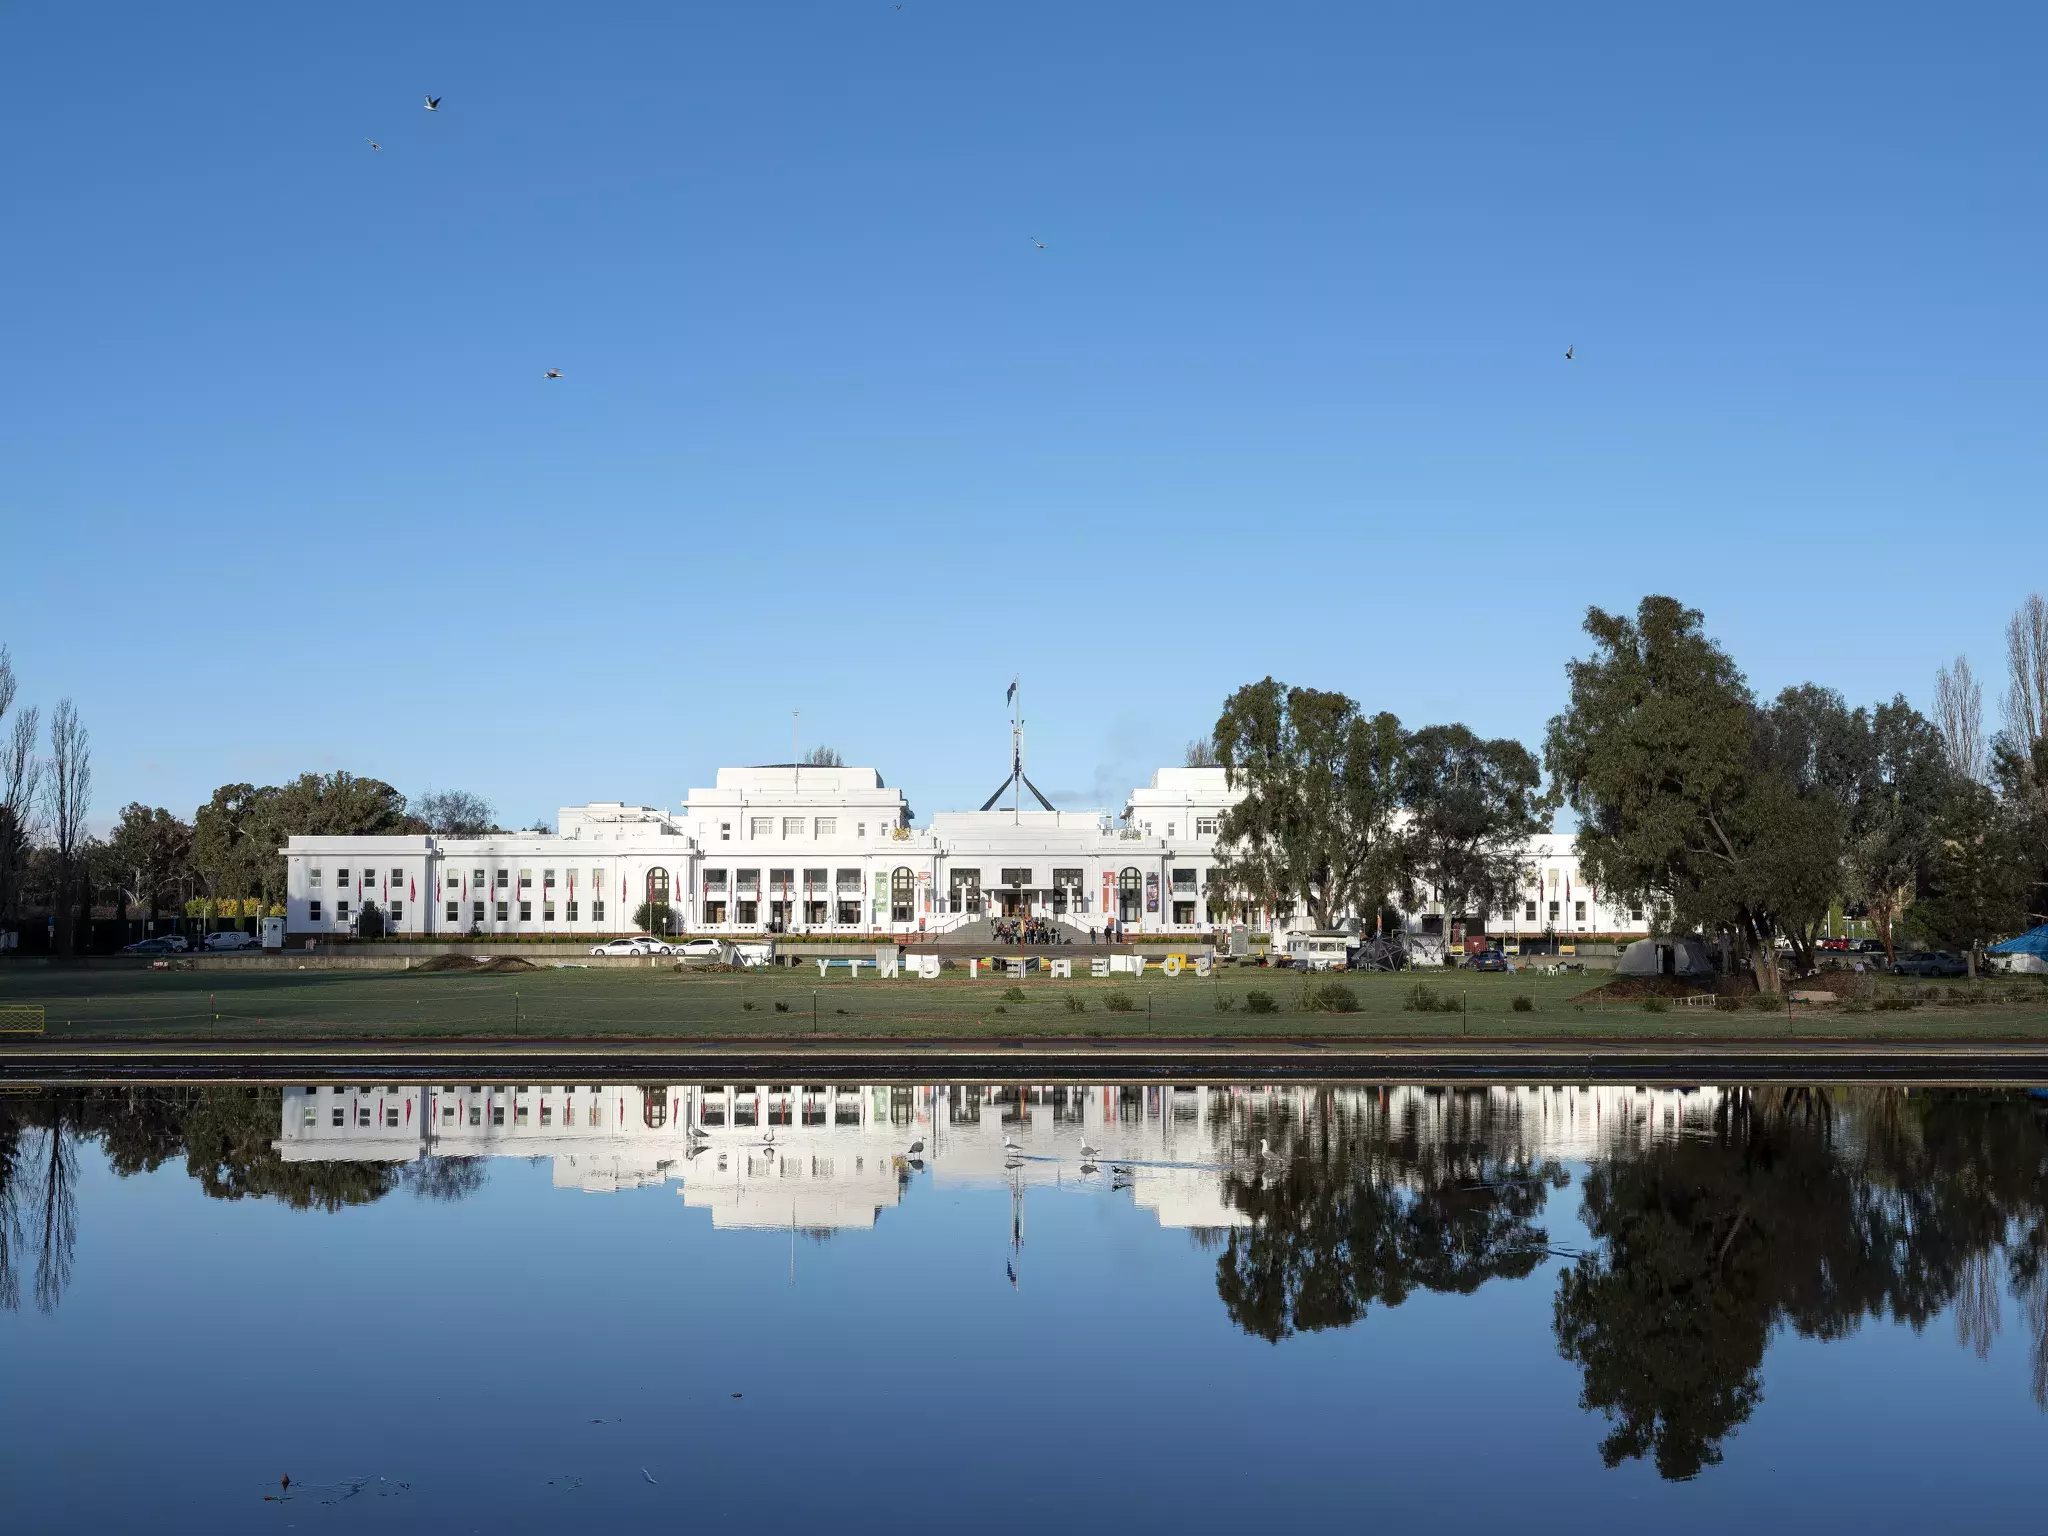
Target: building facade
833,851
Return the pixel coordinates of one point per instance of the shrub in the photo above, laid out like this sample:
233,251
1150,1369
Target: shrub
1421,999
782,1007
1013,995
999,1008
1894,1002
1523,1003
1224,1002
748,1006
1260,1002
1728,1004
1329,997
1655,1005
1075,1004
1120,1001
1763,1002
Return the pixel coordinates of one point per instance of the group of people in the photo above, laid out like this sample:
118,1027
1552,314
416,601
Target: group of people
1030,930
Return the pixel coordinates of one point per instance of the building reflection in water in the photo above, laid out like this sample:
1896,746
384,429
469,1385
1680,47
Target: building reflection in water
1714,1218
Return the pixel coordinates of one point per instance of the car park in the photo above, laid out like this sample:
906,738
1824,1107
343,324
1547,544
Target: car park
232,938
165,944
1936,962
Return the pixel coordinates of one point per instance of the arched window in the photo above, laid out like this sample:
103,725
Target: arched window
902,895
1130,896
657,886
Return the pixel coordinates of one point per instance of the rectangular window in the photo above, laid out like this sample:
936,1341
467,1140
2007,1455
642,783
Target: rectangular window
313,911
547,879
547,1114
792,826
397,911
1183,879
1635,914
1017,877
1183,911
748,882
313,878
714,911
341,877
714,881
1555,908
547,911
861,830
398,877
725,831
504,910
476,911
1528,911
816,883
341,911
526,880
1205,826
849,913
1578,911
526,911
597,882
476,1114
748,911
504,879
597,911
761,826
849,882
828,826
454,911
570,912
476,878
497,1114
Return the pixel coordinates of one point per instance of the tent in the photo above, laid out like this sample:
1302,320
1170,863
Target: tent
1665,957
2028,952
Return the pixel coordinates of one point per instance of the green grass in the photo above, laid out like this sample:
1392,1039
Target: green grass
84,1004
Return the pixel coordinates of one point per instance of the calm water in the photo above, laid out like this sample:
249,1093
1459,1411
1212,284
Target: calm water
1115,1308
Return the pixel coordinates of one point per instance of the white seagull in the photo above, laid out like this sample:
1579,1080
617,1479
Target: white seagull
1089,1152
1037,242
1573,347
373,144
556,373
433,103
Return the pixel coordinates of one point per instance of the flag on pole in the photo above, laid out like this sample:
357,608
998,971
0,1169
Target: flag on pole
1012,694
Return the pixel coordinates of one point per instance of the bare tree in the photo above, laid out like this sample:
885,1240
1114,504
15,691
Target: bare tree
54,1220
67,796
20,775
2026,665
821,757
1201,753
455,813
1959,716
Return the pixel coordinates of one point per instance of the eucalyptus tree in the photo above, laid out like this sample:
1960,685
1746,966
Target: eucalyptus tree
1322,783
1471,807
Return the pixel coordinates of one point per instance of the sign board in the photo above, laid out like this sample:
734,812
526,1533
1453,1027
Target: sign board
1152,891
1240,941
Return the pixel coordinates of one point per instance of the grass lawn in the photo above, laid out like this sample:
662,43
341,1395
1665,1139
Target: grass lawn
556,1004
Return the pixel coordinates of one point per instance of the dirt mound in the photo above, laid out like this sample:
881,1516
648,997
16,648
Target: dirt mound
496,965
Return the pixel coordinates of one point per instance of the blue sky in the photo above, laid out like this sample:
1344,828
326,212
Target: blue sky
283,487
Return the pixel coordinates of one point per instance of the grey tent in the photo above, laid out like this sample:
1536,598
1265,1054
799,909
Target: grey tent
1665,957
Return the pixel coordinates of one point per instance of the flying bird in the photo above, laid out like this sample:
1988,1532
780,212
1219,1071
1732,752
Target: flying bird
433,103
556,373
1569,350
1011,1270
373,144
1038,242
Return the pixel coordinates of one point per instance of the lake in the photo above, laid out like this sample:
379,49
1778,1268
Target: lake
531,1306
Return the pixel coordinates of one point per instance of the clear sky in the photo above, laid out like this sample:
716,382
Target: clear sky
283,487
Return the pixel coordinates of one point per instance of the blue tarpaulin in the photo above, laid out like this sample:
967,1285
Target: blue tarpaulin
2033,942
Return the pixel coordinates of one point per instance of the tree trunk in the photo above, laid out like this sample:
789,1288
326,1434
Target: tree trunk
1882,911
1763,957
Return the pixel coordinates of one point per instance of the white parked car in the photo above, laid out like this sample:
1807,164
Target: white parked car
639,944
700,949
232,939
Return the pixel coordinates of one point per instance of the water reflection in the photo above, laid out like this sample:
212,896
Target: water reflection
1706,1220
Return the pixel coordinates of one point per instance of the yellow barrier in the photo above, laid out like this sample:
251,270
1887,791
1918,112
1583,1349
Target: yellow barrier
21,1021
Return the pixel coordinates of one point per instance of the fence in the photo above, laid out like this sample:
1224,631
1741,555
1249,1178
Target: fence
21,1021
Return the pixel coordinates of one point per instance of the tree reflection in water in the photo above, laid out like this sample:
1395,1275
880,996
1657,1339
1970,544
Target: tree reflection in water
1350,1206
1800,1210
227,1137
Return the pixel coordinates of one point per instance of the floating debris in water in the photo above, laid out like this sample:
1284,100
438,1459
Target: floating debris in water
565,1483
649,1476
339,1493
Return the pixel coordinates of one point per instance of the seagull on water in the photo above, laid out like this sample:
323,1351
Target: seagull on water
1011,1146
433,103
1091,1153
916,1147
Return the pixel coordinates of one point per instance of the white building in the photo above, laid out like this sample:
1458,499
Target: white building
833,851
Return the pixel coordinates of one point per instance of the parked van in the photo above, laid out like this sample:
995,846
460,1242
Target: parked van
1322,950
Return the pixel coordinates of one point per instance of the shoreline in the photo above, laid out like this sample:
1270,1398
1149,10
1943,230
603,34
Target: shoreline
1190,1060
